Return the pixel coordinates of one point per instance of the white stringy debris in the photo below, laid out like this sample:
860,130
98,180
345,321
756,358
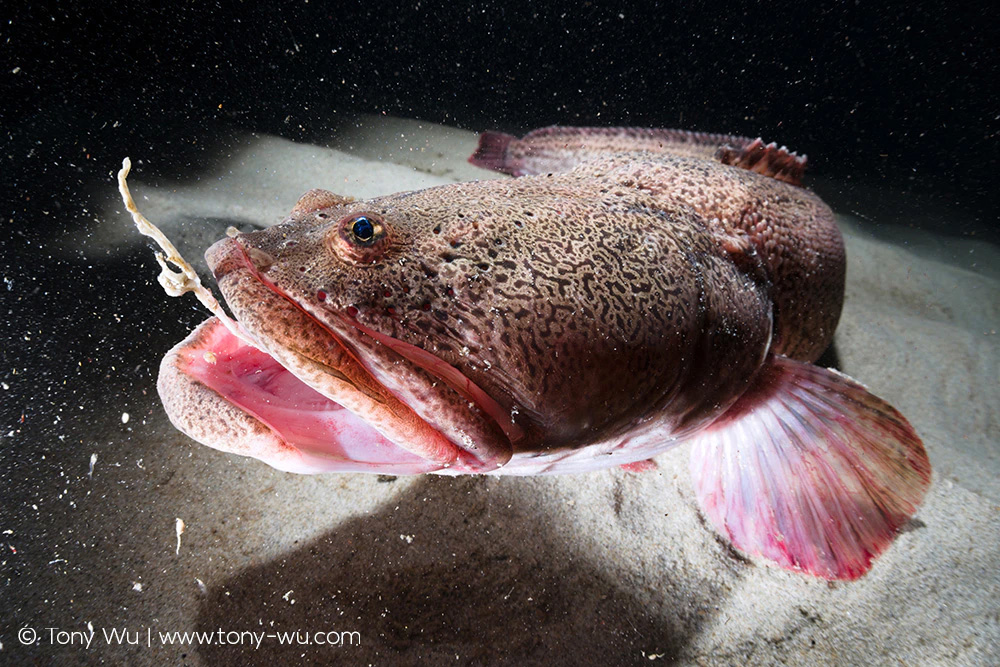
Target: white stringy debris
184,279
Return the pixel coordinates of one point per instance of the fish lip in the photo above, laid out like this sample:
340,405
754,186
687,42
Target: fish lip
229,256
226,256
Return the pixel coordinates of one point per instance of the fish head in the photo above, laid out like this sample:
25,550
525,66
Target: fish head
339,301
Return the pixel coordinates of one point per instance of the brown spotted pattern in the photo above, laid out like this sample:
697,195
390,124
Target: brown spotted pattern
790,226
584,303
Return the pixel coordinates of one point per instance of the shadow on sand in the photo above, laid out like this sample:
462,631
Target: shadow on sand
428,580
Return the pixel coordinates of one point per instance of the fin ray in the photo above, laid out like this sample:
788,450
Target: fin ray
491,153
811,471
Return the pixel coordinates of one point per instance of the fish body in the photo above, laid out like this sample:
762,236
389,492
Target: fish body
630,291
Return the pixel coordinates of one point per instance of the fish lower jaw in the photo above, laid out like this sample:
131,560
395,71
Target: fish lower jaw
236,398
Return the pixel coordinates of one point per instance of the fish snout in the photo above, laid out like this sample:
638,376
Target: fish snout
224,257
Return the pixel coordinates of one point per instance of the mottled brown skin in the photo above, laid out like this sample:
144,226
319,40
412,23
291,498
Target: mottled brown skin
629,291
789,226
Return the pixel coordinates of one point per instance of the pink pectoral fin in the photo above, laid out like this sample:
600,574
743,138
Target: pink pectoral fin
811,471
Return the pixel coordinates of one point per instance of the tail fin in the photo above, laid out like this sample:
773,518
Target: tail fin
492,152
810,471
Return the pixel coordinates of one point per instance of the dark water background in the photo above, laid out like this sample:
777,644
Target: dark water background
896,95
896,104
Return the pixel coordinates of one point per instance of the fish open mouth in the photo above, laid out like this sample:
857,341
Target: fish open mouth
236,398
299,398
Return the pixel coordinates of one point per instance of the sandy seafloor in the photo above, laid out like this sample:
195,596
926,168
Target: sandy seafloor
603,568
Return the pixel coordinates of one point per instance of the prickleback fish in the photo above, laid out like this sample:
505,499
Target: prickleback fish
629,291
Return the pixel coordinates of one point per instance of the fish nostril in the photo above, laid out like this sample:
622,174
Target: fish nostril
262,261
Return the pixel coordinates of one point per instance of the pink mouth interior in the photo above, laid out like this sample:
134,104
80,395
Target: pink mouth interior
329,437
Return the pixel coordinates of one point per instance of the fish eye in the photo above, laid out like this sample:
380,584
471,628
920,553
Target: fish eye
363,230
361,237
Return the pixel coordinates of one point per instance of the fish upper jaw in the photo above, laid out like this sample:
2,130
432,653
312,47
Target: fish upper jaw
399,397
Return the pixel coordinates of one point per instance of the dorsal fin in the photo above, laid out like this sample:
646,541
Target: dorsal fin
766,159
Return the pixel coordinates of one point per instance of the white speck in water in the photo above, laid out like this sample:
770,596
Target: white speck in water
407,538
179,528
137,586
124,417
93,460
